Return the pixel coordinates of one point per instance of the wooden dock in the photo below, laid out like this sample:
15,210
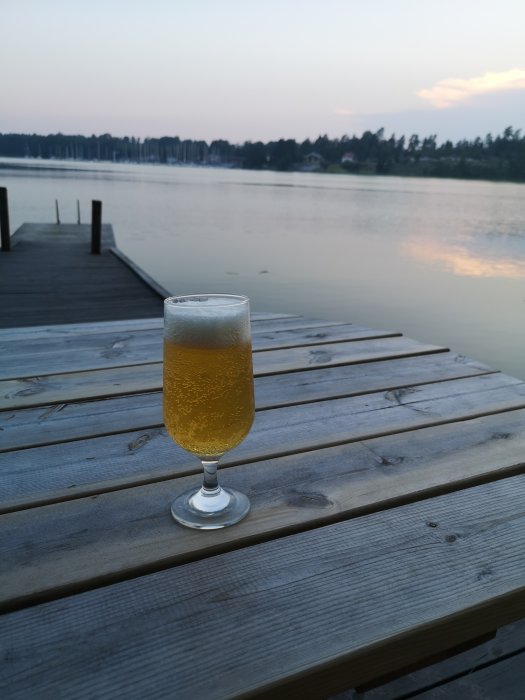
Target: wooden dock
50,276
387,483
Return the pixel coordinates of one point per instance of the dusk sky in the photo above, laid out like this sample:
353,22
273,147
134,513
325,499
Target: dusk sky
262,70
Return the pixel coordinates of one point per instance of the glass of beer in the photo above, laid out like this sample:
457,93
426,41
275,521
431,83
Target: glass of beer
208,396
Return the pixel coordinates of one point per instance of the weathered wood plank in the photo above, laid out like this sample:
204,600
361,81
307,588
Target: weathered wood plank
97,536
85,352
53,264
57,472
502,681
432,571
58,388
153,284
332,354
70,421
352,379
67,329
37,233
508,640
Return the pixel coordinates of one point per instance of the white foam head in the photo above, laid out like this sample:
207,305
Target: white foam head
207,320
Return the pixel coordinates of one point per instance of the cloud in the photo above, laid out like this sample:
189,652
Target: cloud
446,93
343,111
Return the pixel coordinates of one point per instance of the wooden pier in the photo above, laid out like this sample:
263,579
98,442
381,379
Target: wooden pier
50,276
386,477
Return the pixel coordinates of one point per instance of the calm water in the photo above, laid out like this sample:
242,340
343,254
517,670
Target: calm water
440,260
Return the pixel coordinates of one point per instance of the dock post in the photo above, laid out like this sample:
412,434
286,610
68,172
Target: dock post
78,212
96,226
57,212
4,221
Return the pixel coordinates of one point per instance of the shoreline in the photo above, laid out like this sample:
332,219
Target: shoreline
367,169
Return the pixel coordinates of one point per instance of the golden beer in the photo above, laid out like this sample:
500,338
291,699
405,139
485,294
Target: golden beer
208,397
208,394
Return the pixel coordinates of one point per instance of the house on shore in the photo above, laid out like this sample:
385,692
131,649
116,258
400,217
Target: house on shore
312,162
348,157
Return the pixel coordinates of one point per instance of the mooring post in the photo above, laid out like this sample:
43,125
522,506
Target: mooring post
96,226
78,212
57,212
4,221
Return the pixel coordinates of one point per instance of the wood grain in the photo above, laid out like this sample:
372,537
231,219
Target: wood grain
63,470
77,544
59,388
466,666
72,421
432,571
386,479
51,277
502,681
64,330
24,358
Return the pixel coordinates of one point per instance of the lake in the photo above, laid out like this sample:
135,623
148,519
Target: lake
442,261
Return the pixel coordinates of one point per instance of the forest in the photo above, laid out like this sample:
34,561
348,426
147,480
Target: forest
500,157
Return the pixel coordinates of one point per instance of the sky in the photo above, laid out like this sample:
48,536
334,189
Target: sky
262,69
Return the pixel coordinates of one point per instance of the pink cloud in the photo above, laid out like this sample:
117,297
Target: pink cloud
446,93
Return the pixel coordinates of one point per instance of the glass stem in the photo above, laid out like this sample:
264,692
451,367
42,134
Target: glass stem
210,483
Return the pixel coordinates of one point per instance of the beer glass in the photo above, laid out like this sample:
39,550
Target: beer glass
208,396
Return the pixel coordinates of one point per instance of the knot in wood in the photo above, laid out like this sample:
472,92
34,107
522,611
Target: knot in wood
308,500
138,442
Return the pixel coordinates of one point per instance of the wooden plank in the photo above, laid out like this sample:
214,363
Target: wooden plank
504,680
60,471
129,324
58,388
93,335
97,536
72,421
158,288
53,264
85,352
432,571
38,233
508,640
332,354
65,330
352,379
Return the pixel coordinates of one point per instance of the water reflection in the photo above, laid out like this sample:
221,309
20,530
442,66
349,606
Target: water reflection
440,260
489,255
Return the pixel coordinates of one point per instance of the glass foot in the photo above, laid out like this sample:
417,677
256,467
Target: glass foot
203,511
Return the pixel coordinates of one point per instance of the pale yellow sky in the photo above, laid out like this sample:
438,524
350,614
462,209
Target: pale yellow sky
249,70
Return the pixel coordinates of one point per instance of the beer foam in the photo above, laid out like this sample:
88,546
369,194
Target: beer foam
208,321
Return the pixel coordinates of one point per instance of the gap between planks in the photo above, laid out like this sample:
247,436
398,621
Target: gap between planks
261,451
148,376
441,550
160,423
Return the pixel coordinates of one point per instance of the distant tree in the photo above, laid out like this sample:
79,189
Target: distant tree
254,155
366,146
221,151
500,157
284,154
428,147
413,147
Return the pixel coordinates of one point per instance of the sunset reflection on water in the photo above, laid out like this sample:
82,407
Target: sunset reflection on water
464,261
441,261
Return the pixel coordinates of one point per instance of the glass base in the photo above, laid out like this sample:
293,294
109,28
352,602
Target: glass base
203,511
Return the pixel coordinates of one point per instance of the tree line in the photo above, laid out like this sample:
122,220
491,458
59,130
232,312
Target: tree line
500,157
